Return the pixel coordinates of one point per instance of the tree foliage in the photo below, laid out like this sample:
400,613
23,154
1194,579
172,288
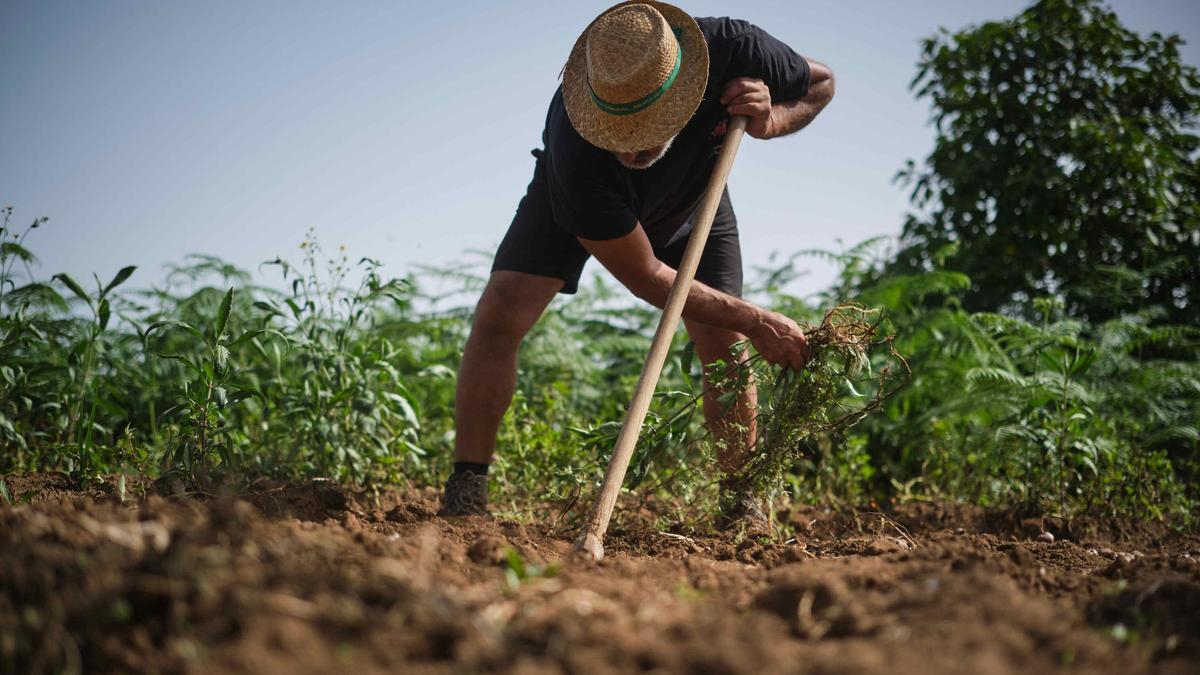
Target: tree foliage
1064,163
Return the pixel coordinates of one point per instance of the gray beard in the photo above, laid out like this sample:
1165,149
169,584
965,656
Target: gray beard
648,162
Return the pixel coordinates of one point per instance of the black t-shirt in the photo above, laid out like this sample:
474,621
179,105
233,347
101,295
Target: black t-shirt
593,196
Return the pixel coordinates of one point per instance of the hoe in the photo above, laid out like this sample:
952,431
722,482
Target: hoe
591,541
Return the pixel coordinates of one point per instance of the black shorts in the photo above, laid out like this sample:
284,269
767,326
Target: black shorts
535,245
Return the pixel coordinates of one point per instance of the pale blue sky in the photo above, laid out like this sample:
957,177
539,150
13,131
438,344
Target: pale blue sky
148,130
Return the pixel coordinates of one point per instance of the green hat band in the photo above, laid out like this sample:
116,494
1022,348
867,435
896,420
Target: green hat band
645,101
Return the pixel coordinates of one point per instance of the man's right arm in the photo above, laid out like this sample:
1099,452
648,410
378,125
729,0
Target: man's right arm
631,260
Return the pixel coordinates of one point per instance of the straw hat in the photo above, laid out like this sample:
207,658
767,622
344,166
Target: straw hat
635,76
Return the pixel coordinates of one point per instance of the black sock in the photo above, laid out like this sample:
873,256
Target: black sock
477,468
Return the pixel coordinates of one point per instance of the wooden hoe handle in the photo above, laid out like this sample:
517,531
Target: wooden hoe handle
591,540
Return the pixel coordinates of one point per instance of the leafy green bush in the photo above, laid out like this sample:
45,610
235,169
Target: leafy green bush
1053,414
345,374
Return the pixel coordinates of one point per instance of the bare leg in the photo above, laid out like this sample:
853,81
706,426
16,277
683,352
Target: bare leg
487,377
735,428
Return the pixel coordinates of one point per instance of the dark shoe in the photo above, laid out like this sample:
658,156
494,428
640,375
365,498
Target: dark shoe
465,495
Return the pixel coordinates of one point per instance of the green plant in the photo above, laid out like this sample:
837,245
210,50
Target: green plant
208,394
348,406
82,356
517,571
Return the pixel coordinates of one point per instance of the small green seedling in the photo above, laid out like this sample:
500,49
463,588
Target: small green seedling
516,570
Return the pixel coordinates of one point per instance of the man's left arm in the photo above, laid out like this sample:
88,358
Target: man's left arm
752,97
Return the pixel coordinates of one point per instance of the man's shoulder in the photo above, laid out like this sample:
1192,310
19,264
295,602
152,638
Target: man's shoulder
575,170
572,157
722,29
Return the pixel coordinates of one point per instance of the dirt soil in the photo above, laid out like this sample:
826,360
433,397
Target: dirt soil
312,578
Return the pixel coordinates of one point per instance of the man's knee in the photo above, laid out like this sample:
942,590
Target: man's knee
495,326
511,303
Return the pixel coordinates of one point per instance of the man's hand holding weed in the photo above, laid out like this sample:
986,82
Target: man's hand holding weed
780,340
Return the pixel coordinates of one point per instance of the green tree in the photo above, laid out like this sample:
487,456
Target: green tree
1064,164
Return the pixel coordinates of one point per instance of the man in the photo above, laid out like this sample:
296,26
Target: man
631,139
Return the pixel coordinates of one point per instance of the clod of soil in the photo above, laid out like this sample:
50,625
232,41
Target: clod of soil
489,549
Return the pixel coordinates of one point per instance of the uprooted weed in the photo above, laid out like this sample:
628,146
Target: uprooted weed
853,369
